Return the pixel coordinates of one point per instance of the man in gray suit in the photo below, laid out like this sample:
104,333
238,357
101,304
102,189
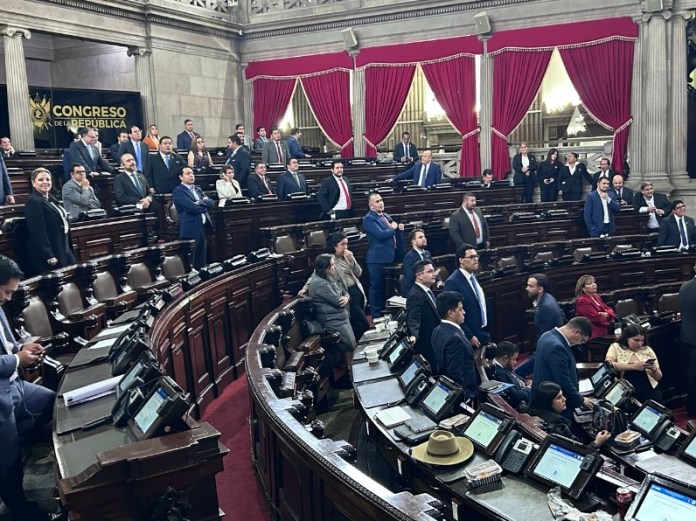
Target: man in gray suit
687,304
275,151
467,225
85,153
78,195
23,405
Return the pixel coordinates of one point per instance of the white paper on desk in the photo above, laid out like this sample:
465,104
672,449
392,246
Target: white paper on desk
585,386
103,343
91,391
116,330
396,302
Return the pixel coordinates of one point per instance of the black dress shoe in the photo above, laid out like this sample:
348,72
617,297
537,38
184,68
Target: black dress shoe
57,517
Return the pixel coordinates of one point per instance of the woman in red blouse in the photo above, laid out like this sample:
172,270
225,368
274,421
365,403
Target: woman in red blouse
590,305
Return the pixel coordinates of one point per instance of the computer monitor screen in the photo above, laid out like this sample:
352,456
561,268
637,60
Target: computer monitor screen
599,374
397,352
436,399
647,419
665,503
148,413
616,393
559,465
130,375
410,372
483,428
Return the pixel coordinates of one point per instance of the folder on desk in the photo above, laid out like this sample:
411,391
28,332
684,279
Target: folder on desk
392,417
91,391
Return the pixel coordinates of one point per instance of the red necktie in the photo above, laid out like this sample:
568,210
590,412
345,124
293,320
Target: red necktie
344,189
280,152
386,221
477,230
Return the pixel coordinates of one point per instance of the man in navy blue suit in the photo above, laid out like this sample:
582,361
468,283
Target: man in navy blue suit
405,151
415,254
454,355
423,173
555,361
505,358
385,238
294,148
192,207
465,283
291,181
421,313
623,195
599,210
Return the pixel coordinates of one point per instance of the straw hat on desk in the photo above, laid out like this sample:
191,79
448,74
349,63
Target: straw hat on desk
443,448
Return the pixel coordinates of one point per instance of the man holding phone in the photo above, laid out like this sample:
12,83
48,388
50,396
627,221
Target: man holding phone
23,405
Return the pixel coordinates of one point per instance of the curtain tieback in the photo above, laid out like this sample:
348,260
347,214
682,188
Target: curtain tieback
369,142
498,133
472,133
622,127
344,145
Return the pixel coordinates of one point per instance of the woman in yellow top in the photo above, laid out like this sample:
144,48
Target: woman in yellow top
637,363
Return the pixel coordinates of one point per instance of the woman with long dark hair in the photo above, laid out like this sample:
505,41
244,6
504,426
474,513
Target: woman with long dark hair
637,363
547,176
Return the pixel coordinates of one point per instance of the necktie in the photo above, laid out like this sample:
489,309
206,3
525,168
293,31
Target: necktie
344,188
166,161
406,149
421,179
682,233
263,178
91,152
431,295
477,292
136,183
279,151
297,180
620,192
386,221
138,160
474,221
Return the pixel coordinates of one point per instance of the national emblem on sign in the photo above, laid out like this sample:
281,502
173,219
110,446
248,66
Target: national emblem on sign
40,111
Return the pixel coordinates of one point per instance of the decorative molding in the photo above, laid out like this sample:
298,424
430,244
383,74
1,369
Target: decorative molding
12,31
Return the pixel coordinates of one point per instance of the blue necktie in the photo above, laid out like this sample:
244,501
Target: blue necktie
138,160
166,160
432,296
682,233
475,286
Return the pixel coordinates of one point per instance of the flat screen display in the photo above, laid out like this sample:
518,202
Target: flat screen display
147,414
690,449
665,504
410,373
615,394
647,419
436,399
559,465
597,376
396,353
483,428
130,376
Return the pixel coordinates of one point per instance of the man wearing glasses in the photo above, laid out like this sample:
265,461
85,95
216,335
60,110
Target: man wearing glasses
554,361
464,282
78,195
678,229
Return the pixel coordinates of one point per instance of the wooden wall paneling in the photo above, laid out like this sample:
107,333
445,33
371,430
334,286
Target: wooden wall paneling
198,353
239,308
219,335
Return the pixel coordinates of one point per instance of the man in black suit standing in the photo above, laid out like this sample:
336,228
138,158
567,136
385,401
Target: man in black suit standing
623,195
83,152
454,355
335,196
604,171
415,254
687,303
405,151
113,149
135,147
655,204
239,158
421,311
291,181
131,187
188,136
467,225
503,364
678,229
163,168
258,183
570,178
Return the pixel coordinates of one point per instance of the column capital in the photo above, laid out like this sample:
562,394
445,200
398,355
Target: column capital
11,31
139,51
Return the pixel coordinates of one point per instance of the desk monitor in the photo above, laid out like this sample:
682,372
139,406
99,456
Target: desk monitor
417,366
393,342
441,398
399,356
687,450
161,412
144,369
619,392
662,499
649,418
564,463
487,428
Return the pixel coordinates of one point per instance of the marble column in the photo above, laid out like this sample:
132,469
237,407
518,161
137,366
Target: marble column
654,125
678,117
635,148
358,112
486,109
143,78
21,127
248,94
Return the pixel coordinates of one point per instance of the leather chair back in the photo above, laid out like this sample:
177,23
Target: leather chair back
70,299
104,286
627,306
285,244
315,238
171,213
543,256
669,302
139,275
36,320
173,267
579,253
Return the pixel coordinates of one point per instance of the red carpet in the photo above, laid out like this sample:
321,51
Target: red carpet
238,494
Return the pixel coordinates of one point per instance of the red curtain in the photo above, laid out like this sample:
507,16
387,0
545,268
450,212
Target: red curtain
271,100
607,97
454,84
517,76
386,88
329,98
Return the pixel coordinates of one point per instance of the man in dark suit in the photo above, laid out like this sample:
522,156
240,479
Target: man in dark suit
240,159
192,208
275,151
599,210
415,254
260,141
135,147
131,187
163,168
655,204
258,183
83,152
555,361
467,225
291,181
623,195
294,148
454,355
6,194
487,178
687,304
6,149
24,405
570,178
423,173
239,131
678,229
385,238
188,136
524,168
405,151
421,313
335,196
604,171
503,364
547,315
463,280
113,149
